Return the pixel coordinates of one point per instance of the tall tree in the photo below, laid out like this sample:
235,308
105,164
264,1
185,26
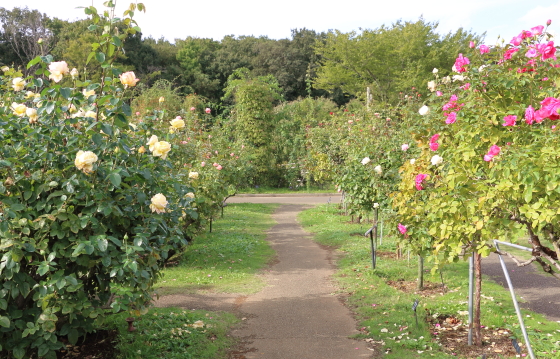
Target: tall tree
388,59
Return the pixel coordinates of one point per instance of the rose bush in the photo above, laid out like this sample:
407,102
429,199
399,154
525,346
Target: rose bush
87,217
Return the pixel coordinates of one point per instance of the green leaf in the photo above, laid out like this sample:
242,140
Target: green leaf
107,129
34,61
126,109
4,322
50,107
115,179
102,244
66,92
73,336
90,56
99,56
117,41
18,353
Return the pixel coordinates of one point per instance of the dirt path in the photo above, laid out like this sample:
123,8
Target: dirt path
297,315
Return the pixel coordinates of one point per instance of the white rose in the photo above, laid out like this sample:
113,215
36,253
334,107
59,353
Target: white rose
458,78
193,175
435,71
190,195
412,161
91,114
446,80
424,110
432,86
376,205
378,169
366,160
18,84
58,70
74,73
159,202
436,160
84,161
32,114
152,142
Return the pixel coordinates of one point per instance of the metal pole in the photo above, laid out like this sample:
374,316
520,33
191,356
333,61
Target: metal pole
471,281
515,304
381,229
375,221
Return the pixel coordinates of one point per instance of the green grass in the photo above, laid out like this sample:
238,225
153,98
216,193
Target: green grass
273,190
173,333
227,259
385,313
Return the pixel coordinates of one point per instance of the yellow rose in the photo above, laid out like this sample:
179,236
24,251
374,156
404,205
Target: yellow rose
18,84
161,149
141,150
19,109
190,194
161,99
177,123
91,114
58,70
152,142
193,175
29,94
84,161
32,114
128,79
88,93
159,202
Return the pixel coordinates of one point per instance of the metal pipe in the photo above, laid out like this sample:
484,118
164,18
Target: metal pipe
516,305
471,290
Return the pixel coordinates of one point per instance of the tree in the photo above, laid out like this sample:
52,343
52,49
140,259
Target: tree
389,60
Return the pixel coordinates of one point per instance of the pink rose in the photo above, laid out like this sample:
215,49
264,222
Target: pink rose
208,110
488,158
219,167
509,120
193,109
451,118
484,49
532,52
494,150
418,181
466,86
232,154
215,164
516,41
529,115
439,93
202,164
509,53
402,228
548,50
460,63
471,45
404,147
537,30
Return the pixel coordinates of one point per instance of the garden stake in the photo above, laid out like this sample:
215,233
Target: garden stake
471,281
414,305
210,225
510,286
373,232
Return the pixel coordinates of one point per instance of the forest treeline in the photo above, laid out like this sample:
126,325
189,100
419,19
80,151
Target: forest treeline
390,59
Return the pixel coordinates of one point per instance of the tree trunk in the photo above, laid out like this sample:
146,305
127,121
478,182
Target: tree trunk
420,283
477,335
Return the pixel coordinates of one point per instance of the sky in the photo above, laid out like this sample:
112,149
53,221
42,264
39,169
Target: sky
215,19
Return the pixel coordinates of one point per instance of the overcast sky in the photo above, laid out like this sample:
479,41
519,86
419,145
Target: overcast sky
216,18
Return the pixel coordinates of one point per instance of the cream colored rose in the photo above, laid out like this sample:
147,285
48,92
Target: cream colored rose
193,175
84,161
5,68
91,114
18,84
29,94
74,73
190,195
161,99
142,149
128,79
152,142
19,109
159,202
161,149
32,114
432,85
58,70
177,123
88,93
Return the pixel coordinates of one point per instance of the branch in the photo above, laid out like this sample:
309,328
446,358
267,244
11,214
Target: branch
519,264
